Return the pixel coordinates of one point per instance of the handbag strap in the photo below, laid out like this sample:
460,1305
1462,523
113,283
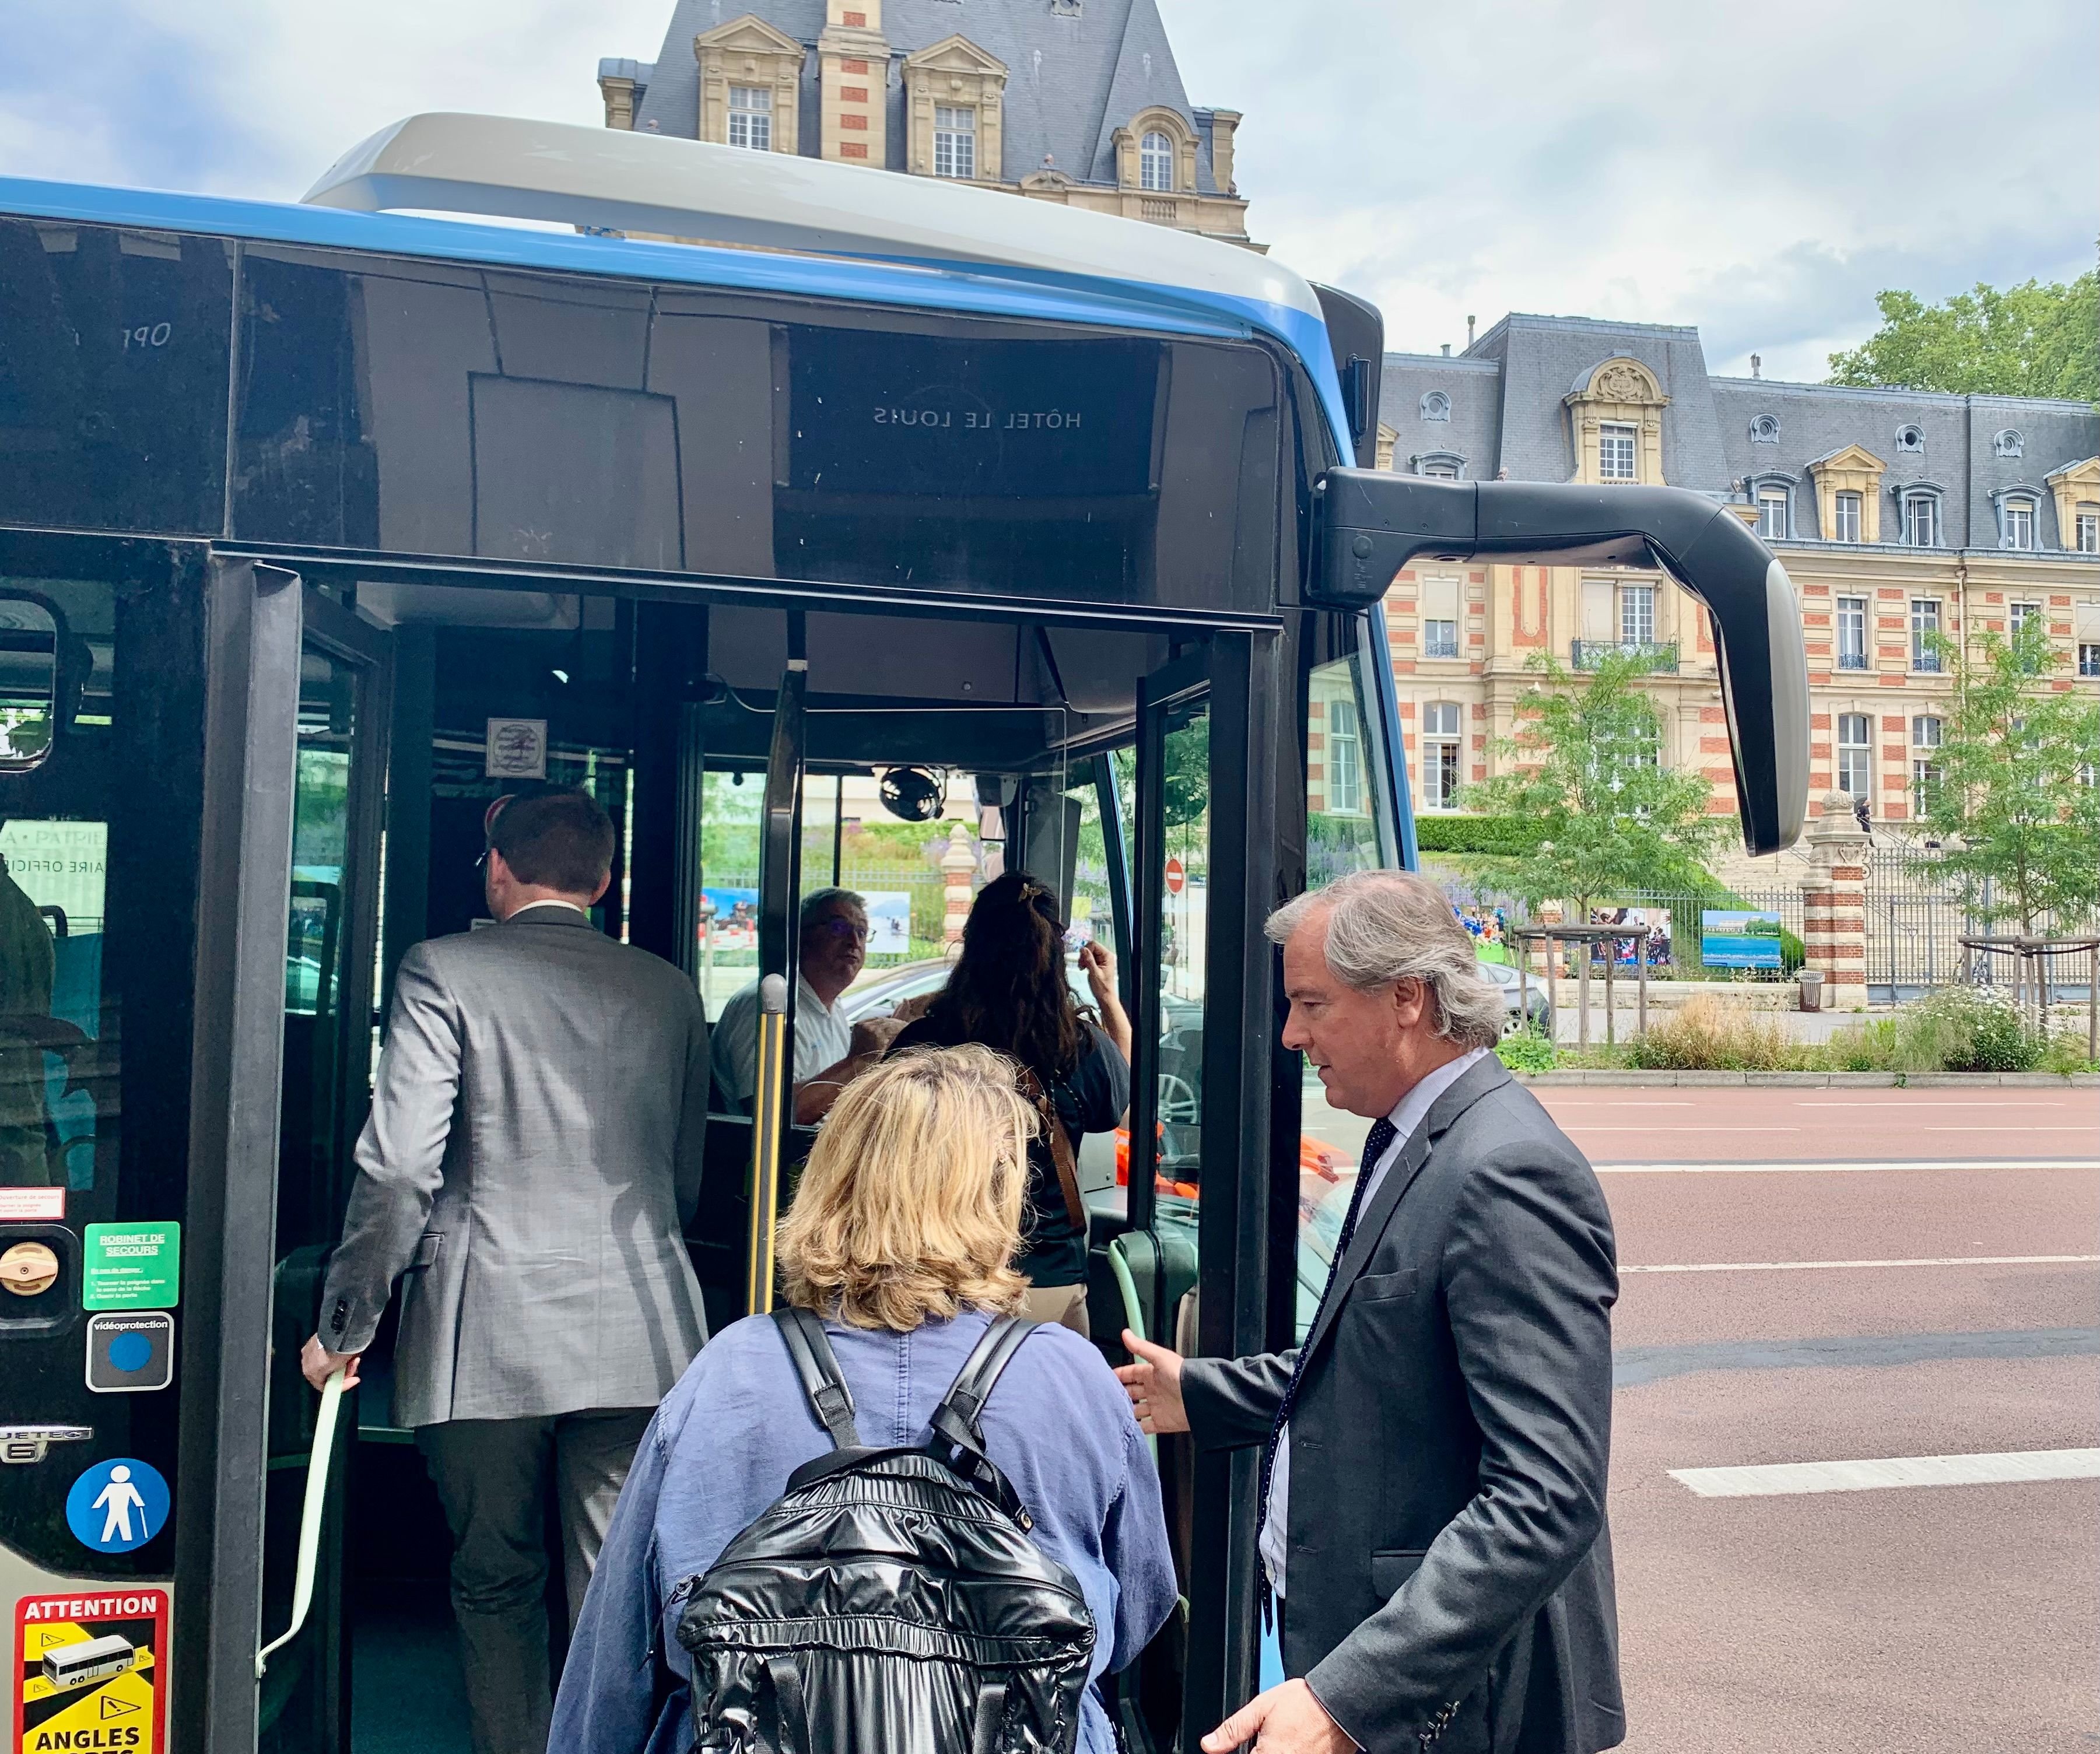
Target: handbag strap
816,1364
1060,1147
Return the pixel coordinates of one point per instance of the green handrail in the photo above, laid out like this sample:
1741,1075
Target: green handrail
310,1518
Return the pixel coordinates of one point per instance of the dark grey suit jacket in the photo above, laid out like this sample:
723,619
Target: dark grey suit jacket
536,1132
1449,1564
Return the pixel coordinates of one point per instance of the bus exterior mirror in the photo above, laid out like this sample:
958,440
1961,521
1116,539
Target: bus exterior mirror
1369,523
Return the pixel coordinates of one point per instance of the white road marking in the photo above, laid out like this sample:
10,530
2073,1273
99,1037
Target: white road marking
1939,1260
1781,1480
1806,1168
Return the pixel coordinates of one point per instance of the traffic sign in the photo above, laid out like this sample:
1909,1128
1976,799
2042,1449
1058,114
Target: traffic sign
1176,876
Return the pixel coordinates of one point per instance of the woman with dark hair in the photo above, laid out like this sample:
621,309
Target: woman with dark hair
1008,992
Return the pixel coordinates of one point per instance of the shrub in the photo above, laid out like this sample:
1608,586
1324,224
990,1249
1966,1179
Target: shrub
1527,1050
1954,1030
1710,1035
1512,837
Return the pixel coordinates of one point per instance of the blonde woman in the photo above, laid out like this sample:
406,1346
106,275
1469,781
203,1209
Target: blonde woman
907,1218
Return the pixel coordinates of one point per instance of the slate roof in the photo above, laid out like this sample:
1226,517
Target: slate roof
1074,73
1508,413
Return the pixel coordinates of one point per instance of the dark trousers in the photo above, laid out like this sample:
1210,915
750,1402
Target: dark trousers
493,1476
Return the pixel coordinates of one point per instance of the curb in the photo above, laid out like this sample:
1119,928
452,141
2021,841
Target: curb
1818,1080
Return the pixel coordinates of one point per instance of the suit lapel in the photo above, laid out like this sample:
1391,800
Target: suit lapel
1487,1075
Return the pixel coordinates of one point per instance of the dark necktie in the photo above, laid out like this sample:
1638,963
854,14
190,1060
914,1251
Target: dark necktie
1382,1133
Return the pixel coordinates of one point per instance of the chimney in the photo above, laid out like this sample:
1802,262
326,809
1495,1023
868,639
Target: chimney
1224,124
1757,365
1469,334
1447,350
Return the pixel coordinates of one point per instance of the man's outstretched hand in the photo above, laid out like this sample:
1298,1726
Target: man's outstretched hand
1153,1384
1285,1720
317,1363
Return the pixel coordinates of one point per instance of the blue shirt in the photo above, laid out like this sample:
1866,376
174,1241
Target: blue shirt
722,1445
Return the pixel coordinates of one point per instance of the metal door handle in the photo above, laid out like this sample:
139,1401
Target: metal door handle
24,1443
310,1517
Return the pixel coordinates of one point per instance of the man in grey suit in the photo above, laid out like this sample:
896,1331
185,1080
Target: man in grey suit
1433,1455
534,1147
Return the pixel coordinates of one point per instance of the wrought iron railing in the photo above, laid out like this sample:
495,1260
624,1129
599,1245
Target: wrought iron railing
1658,654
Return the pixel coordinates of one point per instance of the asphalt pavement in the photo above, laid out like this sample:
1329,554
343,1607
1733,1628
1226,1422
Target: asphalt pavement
1855,1278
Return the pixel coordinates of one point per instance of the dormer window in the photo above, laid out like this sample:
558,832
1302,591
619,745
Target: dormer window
954,142
1155,163
1764,429
2016,521
1615,451
1910,439
1775,505
2008,444
1920,517
1440,465
751,117
1436,406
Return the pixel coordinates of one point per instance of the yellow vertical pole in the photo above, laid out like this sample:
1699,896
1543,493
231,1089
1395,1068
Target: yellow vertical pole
768,1125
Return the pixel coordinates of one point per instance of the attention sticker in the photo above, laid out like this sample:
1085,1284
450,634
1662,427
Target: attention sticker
88,1673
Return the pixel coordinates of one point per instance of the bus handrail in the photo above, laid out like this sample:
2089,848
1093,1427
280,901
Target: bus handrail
311,1516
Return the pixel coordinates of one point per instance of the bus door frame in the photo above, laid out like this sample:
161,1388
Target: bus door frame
1237,673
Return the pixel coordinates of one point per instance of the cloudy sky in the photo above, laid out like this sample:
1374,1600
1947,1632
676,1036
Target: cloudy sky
1760,170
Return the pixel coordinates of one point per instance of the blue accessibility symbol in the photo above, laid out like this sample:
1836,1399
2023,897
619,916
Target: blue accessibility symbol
118,1505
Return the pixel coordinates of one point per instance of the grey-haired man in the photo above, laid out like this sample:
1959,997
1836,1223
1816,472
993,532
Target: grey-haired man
1433,1455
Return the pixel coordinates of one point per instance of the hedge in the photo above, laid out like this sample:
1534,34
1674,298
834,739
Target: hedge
1500,836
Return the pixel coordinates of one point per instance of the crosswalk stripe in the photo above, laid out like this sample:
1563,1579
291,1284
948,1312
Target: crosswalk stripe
1785,1478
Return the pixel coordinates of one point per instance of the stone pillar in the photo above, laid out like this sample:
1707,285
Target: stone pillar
853,84
1834,903
958,864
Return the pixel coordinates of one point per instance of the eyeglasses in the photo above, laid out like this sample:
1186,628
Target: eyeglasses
836,928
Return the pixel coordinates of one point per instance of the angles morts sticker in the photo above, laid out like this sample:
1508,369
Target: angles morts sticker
90,1673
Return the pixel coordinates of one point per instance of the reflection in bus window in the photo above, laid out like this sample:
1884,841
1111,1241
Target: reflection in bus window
1183,923
51,998
29,640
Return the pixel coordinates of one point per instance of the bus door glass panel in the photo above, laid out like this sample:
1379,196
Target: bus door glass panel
101,735
1341,836
330,948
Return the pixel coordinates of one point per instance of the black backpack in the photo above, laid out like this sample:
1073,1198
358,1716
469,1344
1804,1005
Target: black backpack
890,1599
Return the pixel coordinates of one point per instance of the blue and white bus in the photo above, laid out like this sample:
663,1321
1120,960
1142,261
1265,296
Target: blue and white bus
322,524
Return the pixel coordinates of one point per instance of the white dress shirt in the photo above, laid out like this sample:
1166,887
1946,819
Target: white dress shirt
1407,1115
822,1035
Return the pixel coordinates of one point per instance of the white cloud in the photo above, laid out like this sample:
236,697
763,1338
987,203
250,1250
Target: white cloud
1758,171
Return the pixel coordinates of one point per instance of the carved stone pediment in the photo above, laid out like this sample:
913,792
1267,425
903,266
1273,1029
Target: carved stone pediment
748,35
1622,381
956,55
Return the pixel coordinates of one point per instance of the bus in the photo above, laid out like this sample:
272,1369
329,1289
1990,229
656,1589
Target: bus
764,483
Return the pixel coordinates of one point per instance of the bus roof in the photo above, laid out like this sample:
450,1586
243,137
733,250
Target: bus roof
831,231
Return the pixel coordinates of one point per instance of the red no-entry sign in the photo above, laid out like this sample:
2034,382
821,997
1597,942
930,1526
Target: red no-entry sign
1176,876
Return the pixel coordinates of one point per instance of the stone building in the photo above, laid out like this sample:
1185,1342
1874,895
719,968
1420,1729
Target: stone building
1896,512
1077,101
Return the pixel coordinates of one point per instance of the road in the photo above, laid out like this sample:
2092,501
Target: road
1958,1316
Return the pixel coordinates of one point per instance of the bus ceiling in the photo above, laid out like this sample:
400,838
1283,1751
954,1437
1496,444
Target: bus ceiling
1369,523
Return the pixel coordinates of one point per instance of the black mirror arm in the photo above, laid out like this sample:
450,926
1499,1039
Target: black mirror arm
1369,523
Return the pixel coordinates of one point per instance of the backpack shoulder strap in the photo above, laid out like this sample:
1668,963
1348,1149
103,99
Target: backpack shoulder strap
956,1419
829,1397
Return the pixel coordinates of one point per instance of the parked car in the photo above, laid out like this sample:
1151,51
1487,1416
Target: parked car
1540,1007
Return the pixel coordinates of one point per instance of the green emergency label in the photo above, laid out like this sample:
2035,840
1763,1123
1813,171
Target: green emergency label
132,1266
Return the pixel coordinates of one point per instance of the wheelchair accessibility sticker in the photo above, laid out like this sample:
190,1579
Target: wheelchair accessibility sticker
87,1672
118,1505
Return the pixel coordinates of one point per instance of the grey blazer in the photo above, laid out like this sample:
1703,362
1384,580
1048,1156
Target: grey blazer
1449,1566
535,1140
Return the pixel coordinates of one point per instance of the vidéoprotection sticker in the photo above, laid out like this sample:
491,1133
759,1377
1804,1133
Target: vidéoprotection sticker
130,1352
117,1505
87,1672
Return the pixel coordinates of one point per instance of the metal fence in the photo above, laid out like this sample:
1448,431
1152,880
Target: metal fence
1675,945
1916,921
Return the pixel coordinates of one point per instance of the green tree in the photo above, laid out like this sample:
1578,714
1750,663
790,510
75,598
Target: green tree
2031,340
1611,818
2011,796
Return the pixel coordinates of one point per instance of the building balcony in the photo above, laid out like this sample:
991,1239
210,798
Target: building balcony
1587,654
1852,660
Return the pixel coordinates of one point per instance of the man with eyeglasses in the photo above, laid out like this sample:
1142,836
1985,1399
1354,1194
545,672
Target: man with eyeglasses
830,1052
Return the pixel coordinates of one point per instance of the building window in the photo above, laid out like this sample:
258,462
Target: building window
1637,615
1910,438
2019,614
2089,658
1155,163
1439,618
2086,530
1924,731
1845,517
1856,756
1436,406
2008,444
1921,519
954,142
1345,760
1764,429
1615,451
1441,751
1773,524
1439,465
751,117
1924,626
1852,634
2017,518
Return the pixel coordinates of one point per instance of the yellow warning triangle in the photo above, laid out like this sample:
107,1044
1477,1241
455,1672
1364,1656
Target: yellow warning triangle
113,1707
